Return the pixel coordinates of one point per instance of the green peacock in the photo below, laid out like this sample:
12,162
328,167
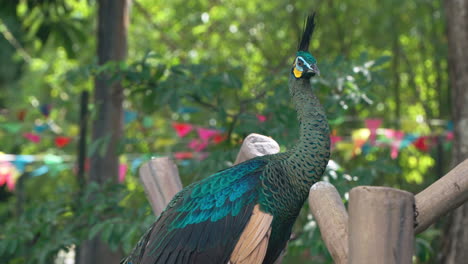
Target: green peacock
244,214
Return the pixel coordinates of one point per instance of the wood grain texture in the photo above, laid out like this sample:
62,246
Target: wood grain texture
253,243
381,223
255,145
161,182
330,213
441,197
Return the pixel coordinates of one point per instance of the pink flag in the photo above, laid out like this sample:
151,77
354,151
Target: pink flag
261,118
450,136
205,133
372,125
6,177
32,137
122,172
197,145
334,140
395,145
182,129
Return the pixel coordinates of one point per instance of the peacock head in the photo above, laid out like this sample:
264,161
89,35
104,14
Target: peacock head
305,65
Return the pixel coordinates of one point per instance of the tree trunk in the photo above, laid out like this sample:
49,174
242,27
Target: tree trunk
456,242
108,122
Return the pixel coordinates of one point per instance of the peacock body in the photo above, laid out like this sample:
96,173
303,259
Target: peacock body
244,214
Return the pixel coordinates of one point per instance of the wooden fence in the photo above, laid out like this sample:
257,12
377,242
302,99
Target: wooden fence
381,223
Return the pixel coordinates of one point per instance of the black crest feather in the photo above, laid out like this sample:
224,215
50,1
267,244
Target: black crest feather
307,34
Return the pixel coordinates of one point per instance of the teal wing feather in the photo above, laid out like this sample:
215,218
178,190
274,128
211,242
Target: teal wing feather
204,221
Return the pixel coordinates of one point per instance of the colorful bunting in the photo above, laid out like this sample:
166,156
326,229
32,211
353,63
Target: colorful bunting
7,175
136,163
449,136
334,139
61,141
13,128
21,161
45,109
218,138
408,140
40,171
147,122
5,171
422,143
21,115
204,133
183,155
122,172
197,145
39,128
129,116
372,125
182,129
187,110
32,137
395,145
261,118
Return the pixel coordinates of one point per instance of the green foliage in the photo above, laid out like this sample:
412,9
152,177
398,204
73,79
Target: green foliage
214,65
65,218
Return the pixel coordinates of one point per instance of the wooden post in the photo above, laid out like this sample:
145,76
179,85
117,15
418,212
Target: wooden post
442,196
381,223
331,216
255,145
161,182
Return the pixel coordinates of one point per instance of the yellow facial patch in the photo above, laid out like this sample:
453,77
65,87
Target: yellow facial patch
297,73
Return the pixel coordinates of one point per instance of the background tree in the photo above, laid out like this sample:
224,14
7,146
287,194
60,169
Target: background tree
456,239
112,28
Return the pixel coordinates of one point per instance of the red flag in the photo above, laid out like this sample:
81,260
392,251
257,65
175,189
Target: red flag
62,141
183,155
422,143
219,138
182,129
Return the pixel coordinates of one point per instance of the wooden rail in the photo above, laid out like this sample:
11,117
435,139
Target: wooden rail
435,201
382,221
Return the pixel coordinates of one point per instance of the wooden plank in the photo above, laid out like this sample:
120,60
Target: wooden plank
161,182
330,213
255,145
442,196
381,228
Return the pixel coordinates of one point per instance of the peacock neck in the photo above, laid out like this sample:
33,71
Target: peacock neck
312,151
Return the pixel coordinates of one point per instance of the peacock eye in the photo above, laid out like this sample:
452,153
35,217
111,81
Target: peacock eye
300,63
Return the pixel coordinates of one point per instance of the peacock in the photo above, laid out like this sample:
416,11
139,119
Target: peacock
245,214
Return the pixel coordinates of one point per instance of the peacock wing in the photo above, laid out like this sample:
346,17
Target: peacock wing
204,222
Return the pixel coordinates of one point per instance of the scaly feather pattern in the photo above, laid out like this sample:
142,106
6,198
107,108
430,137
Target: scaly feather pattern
203,222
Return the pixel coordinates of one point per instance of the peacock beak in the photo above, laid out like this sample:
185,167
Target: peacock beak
314,69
